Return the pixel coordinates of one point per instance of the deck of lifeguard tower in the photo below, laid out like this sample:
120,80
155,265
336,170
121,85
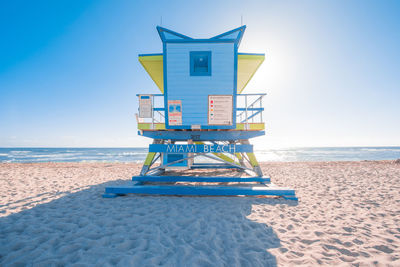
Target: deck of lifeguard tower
202,122
249,122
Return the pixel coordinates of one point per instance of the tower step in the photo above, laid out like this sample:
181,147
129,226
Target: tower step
259,190
204,179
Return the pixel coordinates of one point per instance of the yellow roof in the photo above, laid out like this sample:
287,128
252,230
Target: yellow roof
153,64
247,66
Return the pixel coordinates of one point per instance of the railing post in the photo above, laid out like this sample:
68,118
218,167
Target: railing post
261,120
252,112
245,104
152,112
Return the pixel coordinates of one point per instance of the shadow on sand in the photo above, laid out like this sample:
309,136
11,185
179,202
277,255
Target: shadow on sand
83,228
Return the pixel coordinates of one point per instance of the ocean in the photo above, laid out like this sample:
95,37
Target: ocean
31,155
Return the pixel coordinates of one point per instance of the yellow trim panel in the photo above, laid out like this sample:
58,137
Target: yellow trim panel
247,67
154,67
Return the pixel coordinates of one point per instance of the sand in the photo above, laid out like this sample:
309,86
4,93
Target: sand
348,213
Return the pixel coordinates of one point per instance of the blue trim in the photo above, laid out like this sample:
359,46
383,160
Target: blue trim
239,53
165,84
250,109
235,64
146,55
214,166
240,36
201,135
203,179
242,28
187,39
162,36
260,94
252,54
202,41
257,190
151,94
200,53
188,126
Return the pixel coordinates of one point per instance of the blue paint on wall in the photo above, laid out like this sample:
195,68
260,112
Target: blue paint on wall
193,91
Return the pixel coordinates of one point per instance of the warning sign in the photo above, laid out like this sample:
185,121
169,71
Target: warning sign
174,112
220,109
145,110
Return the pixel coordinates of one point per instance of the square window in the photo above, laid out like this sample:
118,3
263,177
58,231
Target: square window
200,63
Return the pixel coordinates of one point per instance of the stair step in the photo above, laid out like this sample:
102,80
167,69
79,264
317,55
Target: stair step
204,179
201,190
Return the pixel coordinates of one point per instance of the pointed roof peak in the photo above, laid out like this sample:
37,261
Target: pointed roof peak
166,34
234,35
231,33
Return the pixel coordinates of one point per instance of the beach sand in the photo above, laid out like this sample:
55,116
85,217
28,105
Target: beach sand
53,214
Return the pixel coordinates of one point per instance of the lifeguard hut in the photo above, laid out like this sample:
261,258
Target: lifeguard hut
201,120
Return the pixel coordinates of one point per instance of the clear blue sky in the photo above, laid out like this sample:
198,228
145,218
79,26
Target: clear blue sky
69,71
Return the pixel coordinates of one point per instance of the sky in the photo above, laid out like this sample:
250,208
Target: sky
69,72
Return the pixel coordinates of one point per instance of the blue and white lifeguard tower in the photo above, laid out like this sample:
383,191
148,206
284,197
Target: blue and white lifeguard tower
201,113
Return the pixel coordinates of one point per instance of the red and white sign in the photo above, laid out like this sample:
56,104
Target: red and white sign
220,109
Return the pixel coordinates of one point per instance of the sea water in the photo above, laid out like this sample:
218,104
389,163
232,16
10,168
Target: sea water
30,155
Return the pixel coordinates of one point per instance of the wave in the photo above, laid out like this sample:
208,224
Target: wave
132,153
20,151
381,149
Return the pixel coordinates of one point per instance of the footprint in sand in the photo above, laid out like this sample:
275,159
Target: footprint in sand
344,251
318,233
348,229
384,249
308,242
